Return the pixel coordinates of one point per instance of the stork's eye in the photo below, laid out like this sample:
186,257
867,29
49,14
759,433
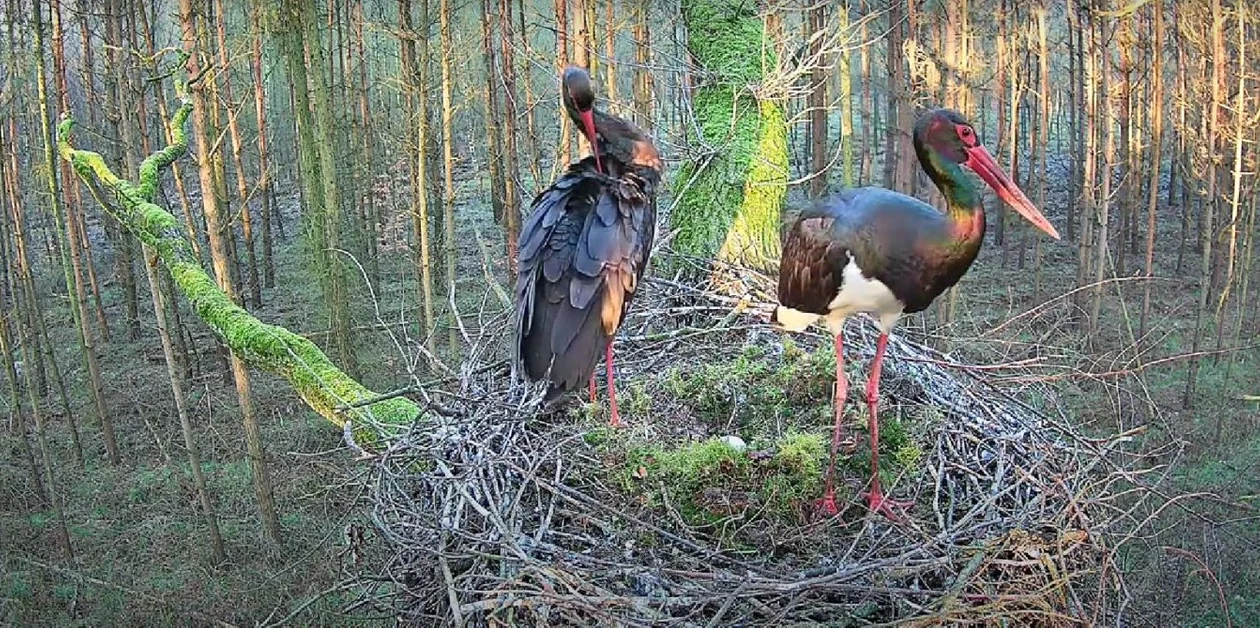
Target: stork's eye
967,135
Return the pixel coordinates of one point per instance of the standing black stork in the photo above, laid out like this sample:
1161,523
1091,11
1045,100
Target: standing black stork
584,248
877,251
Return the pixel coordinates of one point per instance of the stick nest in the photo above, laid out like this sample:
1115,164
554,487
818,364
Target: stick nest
503,512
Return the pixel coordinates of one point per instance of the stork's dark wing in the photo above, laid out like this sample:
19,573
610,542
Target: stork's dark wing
581,253
812,264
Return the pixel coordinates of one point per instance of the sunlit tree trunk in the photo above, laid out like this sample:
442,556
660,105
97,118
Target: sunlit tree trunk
1043,140
866,174
420,193
264,153
448,164
1155,160
642,58
1231,235
258,463
73,270
253,284
1089,146
818,103
610,53
1103,211
118,90
1208,224
844,66
568,146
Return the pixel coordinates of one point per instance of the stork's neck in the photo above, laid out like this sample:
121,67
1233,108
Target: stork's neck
962,202
625,141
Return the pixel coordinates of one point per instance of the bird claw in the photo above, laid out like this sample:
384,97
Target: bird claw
827,505
893,509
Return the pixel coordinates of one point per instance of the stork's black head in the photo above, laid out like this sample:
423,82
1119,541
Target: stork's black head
579,101
579,94
946,133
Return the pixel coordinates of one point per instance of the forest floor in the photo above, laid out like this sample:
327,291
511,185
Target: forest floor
142,553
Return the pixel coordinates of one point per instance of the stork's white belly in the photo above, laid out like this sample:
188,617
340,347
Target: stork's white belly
857,294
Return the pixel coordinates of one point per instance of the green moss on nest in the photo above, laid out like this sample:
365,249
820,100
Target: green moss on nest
710,483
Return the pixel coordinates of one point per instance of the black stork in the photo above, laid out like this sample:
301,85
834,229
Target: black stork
886,254
583,249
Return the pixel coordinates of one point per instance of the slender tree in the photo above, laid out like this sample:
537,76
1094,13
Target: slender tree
1155,159
448,162
73,270
259,466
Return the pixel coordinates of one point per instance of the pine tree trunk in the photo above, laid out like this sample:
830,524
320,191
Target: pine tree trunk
173,372
420,199
1235,200
258,463
117,87
494,148
253,284
896,87
642,59
844,67
610,53
367,168
41,438
73,270
1208,225
1156,113
567,148
511,162
264,156
818,104
1002,43
448,166
1102,226
10,303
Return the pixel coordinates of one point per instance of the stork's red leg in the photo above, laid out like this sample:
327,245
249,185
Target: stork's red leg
592,387
612,386
828,502
875,498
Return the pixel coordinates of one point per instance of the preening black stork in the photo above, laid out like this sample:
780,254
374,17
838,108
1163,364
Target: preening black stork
877,251
584,248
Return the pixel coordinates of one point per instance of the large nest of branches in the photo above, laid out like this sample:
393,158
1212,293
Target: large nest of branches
501,511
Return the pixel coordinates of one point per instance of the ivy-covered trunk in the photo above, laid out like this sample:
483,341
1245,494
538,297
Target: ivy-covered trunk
731,199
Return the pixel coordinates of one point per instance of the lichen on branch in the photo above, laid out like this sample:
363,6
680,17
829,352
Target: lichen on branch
325,388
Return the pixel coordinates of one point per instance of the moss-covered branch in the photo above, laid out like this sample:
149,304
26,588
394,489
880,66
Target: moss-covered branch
319,383
733,200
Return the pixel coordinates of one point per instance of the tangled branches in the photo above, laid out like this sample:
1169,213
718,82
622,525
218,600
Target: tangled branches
507,513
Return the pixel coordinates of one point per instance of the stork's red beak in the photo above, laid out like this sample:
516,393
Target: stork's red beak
588,121
979,160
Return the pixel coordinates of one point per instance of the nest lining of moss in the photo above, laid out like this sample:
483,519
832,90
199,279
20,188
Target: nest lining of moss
505,512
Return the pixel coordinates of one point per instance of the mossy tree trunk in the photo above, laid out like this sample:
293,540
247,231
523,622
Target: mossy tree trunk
322,214
732,196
